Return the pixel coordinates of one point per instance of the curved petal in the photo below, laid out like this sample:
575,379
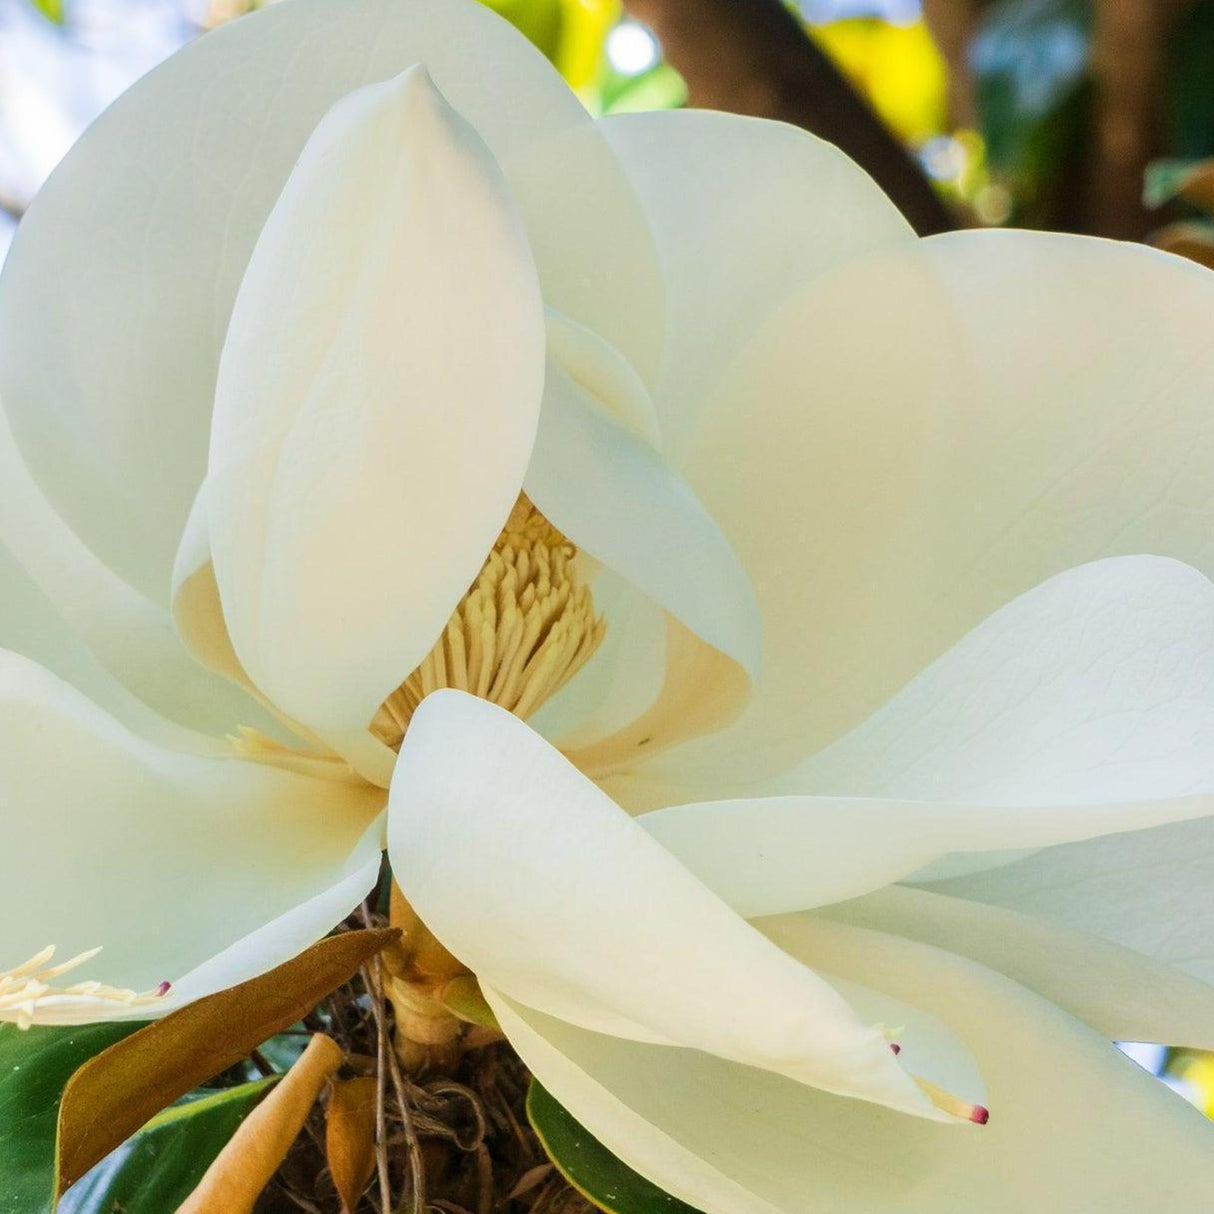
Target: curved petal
180,866
1085,707
925,433
592,921
1147,890
745,211
1123,995
376,406
1074,1125
615,497
129,636
117,292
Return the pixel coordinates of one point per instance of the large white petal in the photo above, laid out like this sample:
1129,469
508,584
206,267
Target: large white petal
1084,707
84,605
376,405
925,433
1149,890
170,861
1074,1125
614,495
117,292
745,211
555,897
1122,994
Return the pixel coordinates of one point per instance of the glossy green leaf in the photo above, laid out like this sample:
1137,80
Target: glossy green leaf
590,1167
157,1169
35,1066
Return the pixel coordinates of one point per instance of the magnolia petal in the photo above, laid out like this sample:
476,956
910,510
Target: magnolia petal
348,513
1147,890
1084,707
611,492
1123,995
727,1138
117,292
745,211
85,604
592,921
171,862
925,433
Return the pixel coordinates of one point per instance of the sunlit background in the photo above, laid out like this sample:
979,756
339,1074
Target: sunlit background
997,120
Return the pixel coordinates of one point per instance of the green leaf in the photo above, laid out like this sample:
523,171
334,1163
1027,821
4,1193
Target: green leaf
161,1166
35,1066
590,1167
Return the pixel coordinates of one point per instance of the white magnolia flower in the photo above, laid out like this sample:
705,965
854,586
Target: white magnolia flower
359,243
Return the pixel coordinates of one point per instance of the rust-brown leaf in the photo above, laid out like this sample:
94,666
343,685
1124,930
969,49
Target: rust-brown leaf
244,1167
116,1092
350,1137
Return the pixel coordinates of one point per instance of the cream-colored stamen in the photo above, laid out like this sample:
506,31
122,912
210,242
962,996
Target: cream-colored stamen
28,996
523,630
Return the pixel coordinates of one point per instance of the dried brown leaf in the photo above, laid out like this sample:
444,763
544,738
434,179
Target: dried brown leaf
350,1137
116,1092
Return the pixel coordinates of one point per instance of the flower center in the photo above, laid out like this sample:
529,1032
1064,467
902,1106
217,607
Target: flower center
28,994
523,630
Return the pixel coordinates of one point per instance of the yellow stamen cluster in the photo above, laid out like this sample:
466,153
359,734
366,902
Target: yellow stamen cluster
523,630
28,994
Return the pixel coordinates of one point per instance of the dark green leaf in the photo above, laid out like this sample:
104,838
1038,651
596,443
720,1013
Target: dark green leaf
590,1167
35,1065
160,1167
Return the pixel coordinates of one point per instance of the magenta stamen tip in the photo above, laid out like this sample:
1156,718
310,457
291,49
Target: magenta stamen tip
893,1045
980,1115
164,988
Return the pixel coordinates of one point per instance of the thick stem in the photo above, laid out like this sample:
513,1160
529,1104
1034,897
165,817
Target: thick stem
428,1036
753,57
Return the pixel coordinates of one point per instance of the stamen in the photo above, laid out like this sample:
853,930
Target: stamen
523,630
28,997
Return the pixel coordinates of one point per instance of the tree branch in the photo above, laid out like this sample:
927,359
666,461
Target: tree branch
753,57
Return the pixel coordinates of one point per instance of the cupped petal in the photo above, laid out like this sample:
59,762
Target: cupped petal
1123,995
925,433
745,211
556,898
134,654
1083,708
1074,1125
613,494
180,867
375,409
118,290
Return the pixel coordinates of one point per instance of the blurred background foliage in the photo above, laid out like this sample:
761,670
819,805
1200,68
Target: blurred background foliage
1085,115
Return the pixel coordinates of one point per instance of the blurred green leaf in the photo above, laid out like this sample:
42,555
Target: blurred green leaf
35,1066
660,88
157,1169
590,1167
1190,95
1164,179
1030,64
